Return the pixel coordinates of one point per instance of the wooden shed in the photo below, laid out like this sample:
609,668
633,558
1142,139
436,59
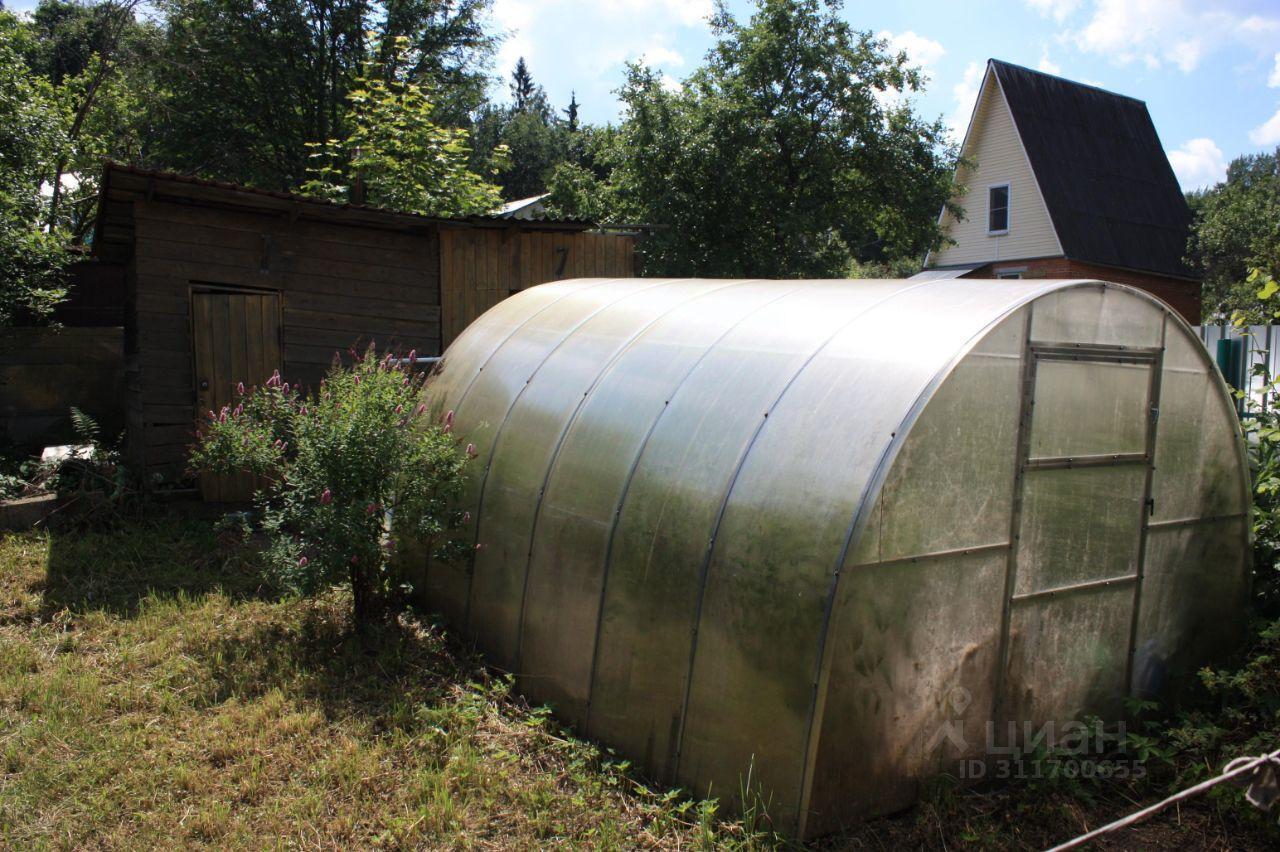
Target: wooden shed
225,283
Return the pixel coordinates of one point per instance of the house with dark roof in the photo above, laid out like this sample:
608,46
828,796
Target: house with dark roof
1065,180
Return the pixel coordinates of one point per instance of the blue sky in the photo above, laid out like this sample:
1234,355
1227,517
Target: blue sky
1209,70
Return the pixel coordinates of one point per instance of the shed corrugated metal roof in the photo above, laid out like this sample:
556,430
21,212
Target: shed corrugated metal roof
1111,193
123,184
945,272
155,183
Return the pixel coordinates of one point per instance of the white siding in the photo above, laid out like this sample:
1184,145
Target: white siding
996,152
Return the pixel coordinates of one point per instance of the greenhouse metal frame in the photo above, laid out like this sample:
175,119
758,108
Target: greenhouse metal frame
741,529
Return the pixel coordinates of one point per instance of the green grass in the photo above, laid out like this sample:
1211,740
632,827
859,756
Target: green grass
154,692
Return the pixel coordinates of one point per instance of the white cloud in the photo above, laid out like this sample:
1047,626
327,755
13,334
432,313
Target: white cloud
920,50
1046,64
1059,10
685,12
965,95
1187,54
1274,80
619,31
1197,163
660,54
1257,24
1267,133
1156,33
513,17
1129,31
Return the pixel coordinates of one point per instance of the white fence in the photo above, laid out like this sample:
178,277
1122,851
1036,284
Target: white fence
1261,346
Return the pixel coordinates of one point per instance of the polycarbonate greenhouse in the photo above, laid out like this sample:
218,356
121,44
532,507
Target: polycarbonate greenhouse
820,533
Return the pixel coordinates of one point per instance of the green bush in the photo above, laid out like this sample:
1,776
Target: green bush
1239,712
349,471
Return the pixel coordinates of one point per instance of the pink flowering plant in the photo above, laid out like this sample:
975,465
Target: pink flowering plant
349,470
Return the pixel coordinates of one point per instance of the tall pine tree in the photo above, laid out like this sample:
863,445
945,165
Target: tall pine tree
522,86
571,114
535,137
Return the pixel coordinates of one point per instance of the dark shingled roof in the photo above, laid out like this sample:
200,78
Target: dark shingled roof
1104,176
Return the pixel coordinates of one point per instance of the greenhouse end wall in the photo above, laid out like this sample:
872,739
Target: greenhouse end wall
738,528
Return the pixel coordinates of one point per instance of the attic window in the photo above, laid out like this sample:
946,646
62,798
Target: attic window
998,209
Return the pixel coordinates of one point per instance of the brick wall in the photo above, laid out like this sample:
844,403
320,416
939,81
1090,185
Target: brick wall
1183,296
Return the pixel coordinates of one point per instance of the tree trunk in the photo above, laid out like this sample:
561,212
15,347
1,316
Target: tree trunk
123,14
362,599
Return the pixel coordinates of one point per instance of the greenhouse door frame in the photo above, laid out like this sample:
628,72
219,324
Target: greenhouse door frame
1138,458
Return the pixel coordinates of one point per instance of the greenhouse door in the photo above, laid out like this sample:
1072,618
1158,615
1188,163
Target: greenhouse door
1081,504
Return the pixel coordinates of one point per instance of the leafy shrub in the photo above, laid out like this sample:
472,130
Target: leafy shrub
349,471
91,478
396,149
11,486
1239,713
1234,713
97,467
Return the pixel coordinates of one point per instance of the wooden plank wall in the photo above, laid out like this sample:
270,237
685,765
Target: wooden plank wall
339,284
95,295
43,372
481,267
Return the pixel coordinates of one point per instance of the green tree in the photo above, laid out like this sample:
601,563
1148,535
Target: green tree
253,82
1236,230
579,186
534,140
33,139
396,156
125,119
574,191
99,59
789,153
67,35
571,113
78,88
524,93
534,146
450,48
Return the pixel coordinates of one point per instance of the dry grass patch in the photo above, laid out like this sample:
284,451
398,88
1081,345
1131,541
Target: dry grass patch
155,692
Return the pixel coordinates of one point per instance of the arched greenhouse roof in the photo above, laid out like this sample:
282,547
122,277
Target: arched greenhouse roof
680,483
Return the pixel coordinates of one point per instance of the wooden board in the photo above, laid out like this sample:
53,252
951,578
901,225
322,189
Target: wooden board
481,267
236,337
43,372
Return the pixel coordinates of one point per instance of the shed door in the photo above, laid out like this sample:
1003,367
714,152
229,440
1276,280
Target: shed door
1079,534
237,339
